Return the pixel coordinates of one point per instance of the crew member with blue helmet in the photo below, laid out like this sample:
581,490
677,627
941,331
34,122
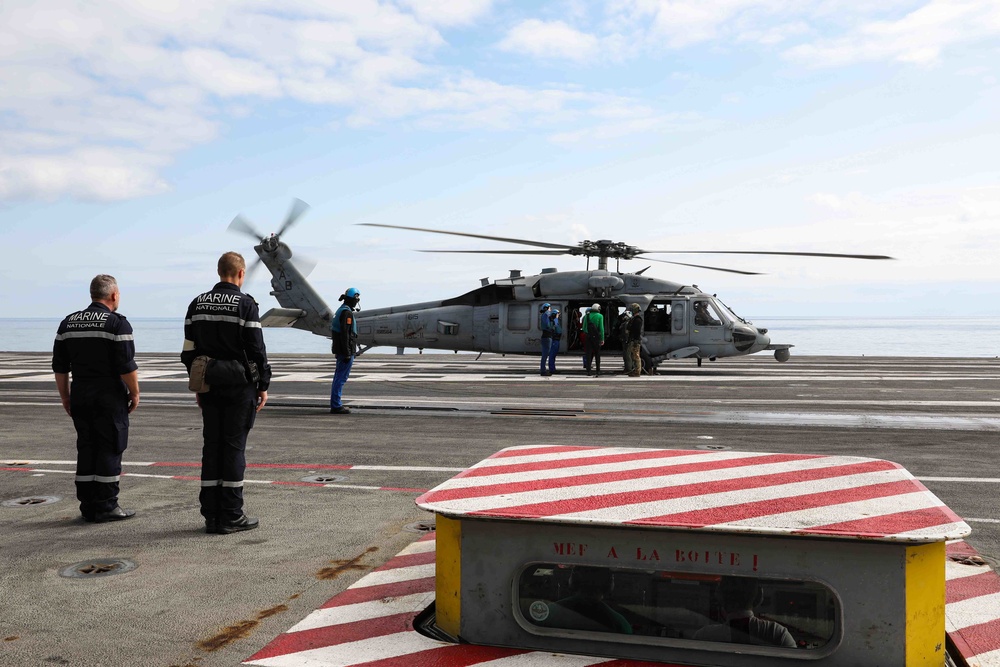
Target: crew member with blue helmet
344,331
545,326
557,332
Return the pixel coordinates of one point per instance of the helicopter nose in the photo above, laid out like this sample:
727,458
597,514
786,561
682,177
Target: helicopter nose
763,340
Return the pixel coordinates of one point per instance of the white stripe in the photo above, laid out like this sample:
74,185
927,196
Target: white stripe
355,653
85,478
94,334
232,485
107,480
990,659
953,570
971,612
363,611
224,318
419,547
740,496
952,529
643,484
820,516
394,575
982,520
211,482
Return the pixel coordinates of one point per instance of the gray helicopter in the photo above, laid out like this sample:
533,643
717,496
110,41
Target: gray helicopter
681,321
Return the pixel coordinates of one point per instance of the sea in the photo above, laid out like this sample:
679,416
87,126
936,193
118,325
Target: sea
814,336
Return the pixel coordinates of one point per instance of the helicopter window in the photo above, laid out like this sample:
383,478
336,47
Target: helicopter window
519,316
448,328
782,615
706,314
657,317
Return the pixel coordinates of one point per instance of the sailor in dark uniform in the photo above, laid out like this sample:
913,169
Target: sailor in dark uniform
223,324
95,345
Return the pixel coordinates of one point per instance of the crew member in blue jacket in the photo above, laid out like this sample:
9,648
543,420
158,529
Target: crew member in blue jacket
95,345
557,332
545,326
344,331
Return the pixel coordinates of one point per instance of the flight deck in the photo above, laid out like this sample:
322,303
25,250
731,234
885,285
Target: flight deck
335,494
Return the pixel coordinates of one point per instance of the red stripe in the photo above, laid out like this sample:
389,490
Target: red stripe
974,586
887,524
445,655
331,635
979,639
188,478
429,537
686,490
286,466
730,513
407,560
604,477
18,469
557,464
380,592
532,451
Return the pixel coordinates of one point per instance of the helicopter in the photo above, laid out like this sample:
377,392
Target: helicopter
680,321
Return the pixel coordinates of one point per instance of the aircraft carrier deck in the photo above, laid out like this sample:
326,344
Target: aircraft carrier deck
335,493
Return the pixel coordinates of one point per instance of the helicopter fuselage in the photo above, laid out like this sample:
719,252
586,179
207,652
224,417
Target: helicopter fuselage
502,316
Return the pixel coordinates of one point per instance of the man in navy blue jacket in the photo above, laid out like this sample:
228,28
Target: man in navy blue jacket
96,346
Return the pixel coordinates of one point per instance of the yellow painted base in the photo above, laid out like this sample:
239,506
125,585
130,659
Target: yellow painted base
925,599
448,575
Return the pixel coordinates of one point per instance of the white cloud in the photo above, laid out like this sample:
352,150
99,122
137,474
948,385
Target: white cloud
549,39
93,173
448,12
919,37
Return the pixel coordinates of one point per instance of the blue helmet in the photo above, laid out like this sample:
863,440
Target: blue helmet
544,306
352,293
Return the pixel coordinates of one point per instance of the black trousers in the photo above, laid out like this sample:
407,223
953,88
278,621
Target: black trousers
592,353
100,416
227,414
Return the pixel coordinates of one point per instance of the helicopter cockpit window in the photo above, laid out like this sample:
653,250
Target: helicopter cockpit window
658,607
657,317
706,314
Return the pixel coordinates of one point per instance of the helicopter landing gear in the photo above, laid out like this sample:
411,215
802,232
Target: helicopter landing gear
699,362
782,355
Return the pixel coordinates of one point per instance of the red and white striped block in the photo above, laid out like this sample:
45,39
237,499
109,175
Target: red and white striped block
729,491
972,608
371,625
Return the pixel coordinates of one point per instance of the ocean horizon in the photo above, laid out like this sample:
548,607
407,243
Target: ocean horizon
813,336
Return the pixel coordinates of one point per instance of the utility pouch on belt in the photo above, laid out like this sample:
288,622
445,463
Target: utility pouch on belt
252,369
225,373
197,381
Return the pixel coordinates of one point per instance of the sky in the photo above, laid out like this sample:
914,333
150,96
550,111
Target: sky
132,132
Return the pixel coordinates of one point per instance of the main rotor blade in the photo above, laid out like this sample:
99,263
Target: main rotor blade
298,208
504,252
242,226
701,266
763,252
538,244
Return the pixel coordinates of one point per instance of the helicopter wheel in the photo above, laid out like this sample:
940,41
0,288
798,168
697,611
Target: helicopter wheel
699,362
